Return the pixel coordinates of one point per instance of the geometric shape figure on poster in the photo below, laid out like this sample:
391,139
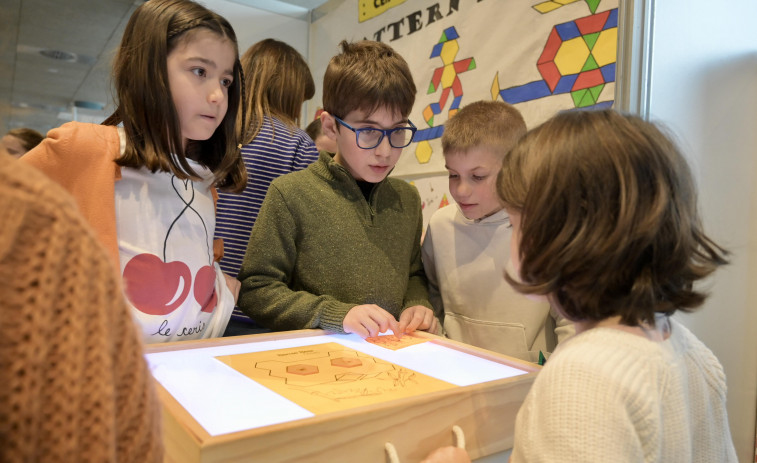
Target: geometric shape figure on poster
443,98
608,72
591,39
593,4
465,65
449,51
550,73
571,56
546,7
450,33
456,103
428,114
526,92
448,76
444,202
430,133
495,86
423,152
577,55
457,86
437,50
302,369
578,97
346,362
436,78
550,48
596,91
567,30
566,84
590,64
592,23
605,51
588,79
612,19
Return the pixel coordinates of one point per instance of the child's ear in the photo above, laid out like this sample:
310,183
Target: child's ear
328,125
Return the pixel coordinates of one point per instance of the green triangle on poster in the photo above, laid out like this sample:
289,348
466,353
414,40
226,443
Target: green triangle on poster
590,64
591,39
472,64
577,96
430,122
593,4
431,88
587,100
595,91
444,38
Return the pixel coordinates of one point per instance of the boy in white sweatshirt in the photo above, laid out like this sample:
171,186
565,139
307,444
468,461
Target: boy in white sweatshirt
466,247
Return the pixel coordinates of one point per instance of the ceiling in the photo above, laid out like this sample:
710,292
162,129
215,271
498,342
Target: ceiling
55,56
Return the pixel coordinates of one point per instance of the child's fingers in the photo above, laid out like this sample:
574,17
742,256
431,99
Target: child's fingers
372,327
355,328
401,327
413,317
434,326
388,323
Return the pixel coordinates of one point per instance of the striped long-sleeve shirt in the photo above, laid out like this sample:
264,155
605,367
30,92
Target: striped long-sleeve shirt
266,158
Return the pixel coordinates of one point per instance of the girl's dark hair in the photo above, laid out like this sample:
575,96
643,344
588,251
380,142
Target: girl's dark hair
278,81
609,221
29,137
144,102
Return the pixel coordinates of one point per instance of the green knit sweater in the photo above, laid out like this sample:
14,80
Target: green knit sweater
318,249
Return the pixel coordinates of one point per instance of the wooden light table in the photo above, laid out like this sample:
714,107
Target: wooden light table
213,412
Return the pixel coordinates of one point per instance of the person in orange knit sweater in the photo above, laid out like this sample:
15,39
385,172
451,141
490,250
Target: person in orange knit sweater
74,385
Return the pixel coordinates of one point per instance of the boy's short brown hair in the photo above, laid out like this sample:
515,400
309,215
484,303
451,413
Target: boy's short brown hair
609,221
492,124
367,76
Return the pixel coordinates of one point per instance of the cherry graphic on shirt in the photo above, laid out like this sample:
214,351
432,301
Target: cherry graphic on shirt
155,287
205,288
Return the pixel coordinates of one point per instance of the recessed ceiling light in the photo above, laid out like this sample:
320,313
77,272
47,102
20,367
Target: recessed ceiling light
58,55
89,105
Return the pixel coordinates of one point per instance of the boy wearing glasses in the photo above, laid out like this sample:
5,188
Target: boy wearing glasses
467,246
337,245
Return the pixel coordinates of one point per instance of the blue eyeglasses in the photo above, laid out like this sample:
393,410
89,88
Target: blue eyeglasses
369,138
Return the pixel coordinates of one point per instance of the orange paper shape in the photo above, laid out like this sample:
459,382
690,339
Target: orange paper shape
392,342
330,377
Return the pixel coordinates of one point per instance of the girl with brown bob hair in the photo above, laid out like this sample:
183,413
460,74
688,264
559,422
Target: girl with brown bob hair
148,186
605,225
610,223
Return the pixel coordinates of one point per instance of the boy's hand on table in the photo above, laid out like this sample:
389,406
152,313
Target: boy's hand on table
369,320
448,455
417,317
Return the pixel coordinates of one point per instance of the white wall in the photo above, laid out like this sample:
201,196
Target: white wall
253,24
703,85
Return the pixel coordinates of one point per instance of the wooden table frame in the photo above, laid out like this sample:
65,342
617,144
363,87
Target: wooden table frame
415,426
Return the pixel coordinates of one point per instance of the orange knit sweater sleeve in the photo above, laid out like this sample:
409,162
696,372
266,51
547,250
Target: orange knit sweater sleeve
74,384
80,157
